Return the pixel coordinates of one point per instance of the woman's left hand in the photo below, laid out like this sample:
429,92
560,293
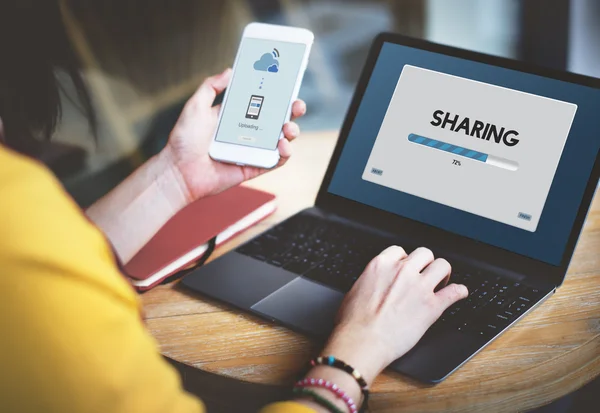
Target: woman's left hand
189,142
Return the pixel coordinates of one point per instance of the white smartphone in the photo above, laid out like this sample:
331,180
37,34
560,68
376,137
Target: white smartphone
267,74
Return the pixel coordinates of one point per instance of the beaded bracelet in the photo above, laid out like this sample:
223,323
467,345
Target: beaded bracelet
339,393
339,364
317,398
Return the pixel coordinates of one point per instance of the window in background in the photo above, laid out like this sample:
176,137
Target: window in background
584,37
489,26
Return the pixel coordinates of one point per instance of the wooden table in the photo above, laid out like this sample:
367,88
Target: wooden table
552,352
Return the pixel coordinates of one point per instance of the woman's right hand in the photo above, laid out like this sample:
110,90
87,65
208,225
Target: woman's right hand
390,307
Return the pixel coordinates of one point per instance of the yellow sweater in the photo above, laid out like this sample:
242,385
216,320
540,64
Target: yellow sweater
71,334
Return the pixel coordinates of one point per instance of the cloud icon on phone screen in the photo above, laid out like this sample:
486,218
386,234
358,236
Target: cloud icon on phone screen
267,63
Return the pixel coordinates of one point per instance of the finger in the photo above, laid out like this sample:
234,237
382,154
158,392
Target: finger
285,150
419,258
395,252
291,131
379,275
437,272
211,87
298,109
386,264
451,294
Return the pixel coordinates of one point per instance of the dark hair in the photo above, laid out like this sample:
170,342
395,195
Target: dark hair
33,47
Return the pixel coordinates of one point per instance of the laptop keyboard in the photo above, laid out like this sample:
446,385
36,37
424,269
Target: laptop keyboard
493,303
336,255
326,252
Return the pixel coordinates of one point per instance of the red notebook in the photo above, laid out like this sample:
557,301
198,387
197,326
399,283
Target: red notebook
184,239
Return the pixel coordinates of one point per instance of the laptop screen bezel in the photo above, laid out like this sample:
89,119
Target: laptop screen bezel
436,237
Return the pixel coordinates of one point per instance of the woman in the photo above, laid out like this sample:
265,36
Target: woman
72,335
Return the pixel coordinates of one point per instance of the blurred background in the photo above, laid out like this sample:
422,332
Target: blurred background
143,58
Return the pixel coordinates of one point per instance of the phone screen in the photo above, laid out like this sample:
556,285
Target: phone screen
260,92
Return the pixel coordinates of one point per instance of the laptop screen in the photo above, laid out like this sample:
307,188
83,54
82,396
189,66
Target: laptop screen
490,153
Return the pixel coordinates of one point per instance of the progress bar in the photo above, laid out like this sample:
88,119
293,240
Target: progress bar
464,152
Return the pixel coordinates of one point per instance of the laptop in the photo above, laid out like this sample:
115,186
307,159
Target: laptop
489,162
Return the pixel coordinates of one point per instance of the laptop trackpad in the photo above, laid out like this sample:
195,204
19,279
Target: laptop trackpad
303,305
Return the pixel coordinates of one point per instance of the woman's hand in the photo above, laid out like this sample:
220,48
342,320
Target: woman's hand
390,307
181,173
190,140
384,315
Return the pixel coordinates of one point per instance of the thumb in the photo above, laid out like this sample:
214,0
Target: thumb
211,87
